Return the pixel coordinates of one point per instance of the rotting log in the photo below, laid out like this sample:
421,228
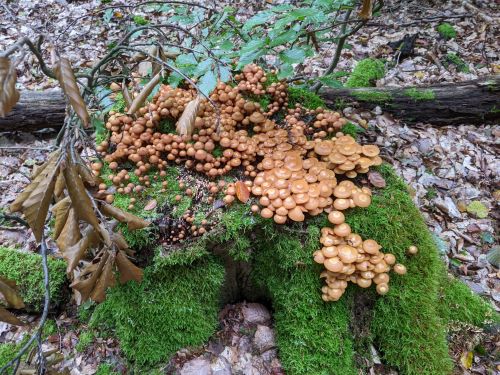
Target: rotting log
36,110
469,102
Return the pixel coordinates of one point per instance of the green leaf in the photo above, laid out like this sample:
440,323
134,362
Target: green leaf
108,15
287,37
208,82
249,58
252,45
259,19
301,13
225,74
330,82
478,209
185,59
227,45
203,67
293,56
286,70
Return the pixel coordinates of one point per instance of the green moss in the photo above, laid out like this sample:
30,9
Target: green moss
446,30
373,96
140,20
457,303
453,59
119,104
167,126
366,73
8,351
351,129
420,94
26,270
86,338
304,97
406,324
170,309
106,369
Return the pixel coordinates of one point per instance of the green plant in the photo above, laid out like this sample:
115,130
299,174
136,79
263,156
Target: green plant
84,341
453,59
351,129
447,31
140,20
366,73
304,97
420,94
26,270
106,369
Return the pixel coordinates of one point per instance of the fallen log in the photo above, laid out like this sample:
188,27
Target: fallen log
36,110
468,102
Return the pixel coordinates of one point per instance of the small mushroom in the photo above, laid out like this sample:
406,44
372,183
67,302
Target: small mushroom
412,250
399,269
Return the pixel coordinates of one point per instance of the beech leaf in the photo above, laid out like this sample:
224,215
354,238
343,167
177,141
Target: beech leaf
8,290
128,271
70,233
60,185
242,192
60,210
76,252
106,279
185,125
86,286
67,80
141,98
133,222
9,95
366,10
126,95
78,194
84,171
10,318
376,179
36,206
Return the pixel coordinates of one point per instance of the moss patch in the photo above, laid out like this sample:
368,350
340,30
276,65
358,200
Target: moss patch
420,94
366,73
373,96
304,97
453,59
171,308
446,30
26,270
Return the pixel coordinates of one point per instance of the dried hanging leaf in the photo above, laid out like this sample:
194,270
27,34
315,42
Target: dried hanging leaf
119,241
376,179
10,318
78,194
17,205
9,292
133,222
75,253
61,212
242,192
60,185
9,95
70,233
86,286
35,208
366,10
141,98
67,80
85,172
128,271
107,279
126,95
185,125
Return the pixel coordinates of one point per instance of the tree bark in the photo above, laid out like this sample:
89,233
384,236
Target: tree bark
36,110
468,102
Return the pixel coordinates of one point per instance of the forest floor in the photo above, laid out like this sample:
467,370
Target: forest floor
446,167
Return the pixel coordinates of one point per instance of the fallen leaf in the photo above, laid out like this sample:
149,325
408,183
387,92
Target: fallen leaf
128,271
151,205
466,359
478,209
376,179
133,222
185,125
242,192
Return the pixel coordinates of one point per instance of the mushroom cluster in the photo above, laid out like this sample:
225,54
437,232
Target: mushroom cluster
348,258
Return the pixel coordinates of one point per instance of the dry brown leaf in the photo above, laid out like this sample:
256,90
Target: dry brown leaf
86,286
17,205
185,125
75,253
61,212
67,80
242,192
70,233
128,271
366,10
376,179
141,98
78,194
60,186
9,292
10,318
126,95
9,95
107,279
133,222
36,206
119,241
85,172
151,205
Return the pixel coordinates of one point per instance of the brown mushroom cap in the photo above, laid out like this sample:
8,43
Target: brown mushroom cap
399,269
390,259
412,250
333,264
299,186
381,278
266,213
364,283
335,294
347,254
323,148
296,214
342,191
342,230
371,246
361,199
341,204
370,150
329,251
382,289
319,257
336,217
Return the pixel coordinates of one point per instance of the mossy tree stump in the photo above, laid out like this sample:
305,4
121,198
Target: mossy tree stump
247,257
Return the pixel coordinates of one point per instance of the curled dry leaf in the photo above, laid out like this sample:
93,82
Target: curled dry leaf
376,179
141,98
60,210
106,280
70,233
75,253
67,80
9,292
78,194
85,286
10,318
60,186
85,172
133,222
366,10
242,191
185,125
9,96
128,271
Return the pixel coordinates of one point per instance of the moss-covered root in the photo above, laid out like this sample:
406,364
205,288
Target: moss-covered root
170,309
313,337
406,324
26,270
